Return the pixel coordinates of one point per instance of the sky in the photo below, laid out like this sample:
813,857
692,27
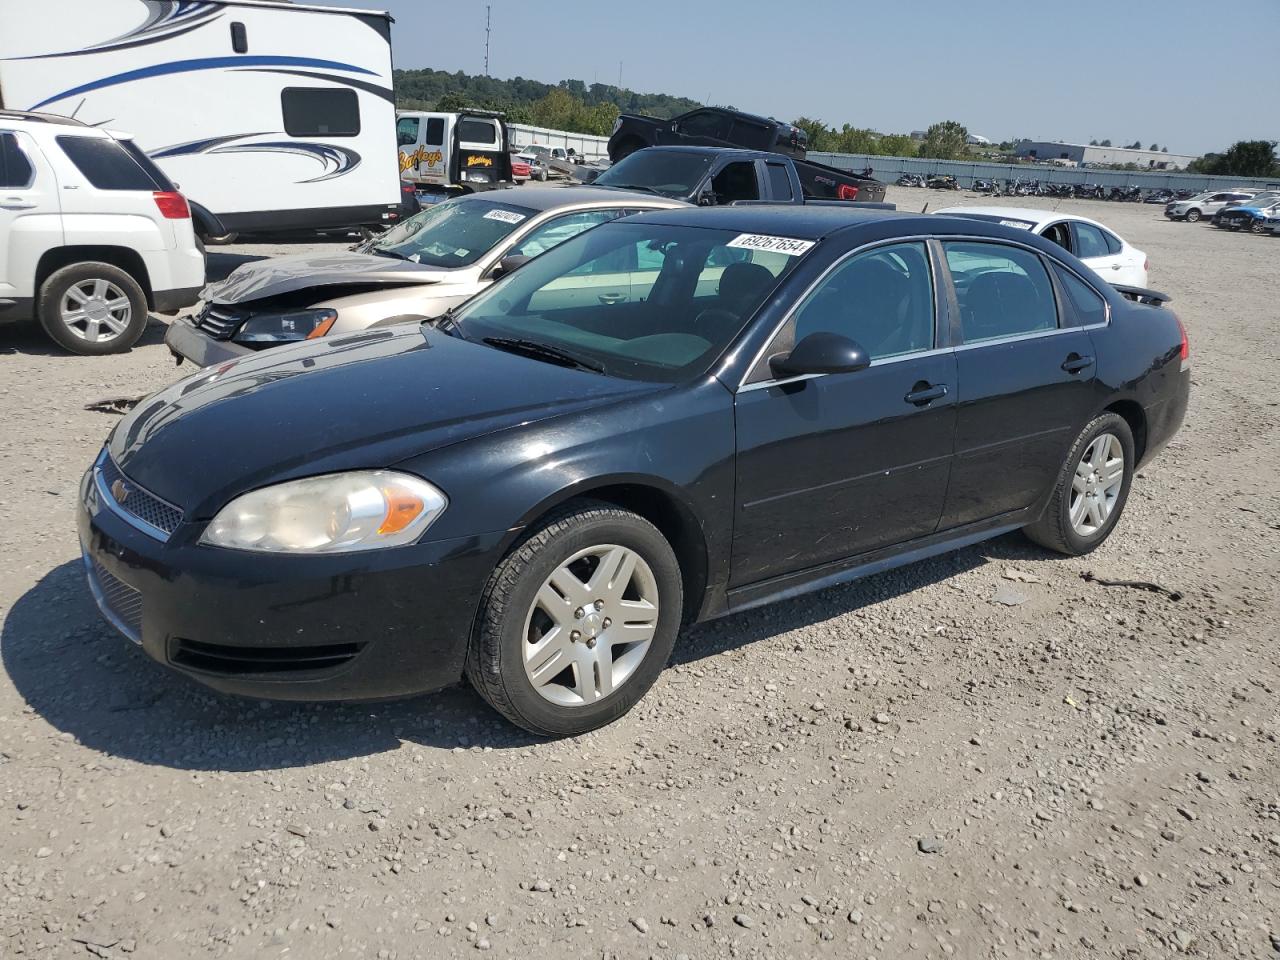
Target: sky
1122,70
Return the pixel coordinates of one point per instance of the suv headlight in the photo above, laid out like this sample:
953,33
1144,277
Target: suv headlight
337,513
287,327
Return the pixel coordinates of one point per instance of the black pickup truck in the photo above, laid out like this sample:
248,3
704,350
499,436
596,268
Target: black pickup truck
712,176
708,127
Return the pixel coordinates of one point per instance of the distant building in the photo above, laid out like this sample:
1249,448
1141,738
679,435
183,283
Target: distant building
979,140
1091,156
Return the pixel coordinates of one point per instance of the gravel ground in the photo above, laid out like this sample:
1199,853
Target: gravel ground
983,755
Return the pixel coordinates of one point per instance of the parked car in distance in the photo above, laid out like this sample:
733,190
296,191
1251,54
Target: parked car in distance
1263,198
1161,195
1251,215
712,176
706,127
1203,205
423,267
539,489
1107,254
521,170
537,159
93,235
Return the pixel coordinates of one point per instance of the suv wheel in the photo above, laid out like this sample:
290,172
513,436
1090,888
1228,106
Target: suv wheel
577,622
92,308
1193,215
1091,489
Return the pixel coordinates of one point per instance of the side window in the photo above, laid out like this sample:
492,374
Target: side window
1060,234
407,131
737,181
106,164
706,124
881,299
557,231
1114,245
1090,242
15,168
239,38
1087,303
1003,291
435,130
320,112
779,182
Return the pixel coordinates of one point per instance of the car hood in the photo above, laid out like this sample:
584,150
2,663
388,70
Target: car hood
270,278
368,400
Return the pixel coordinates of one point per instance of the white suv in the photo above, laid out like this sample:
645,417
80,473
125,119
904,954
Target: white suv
92,234
1204,204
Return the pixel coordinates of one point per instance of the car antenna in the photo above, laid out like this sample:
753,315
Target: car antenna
925,208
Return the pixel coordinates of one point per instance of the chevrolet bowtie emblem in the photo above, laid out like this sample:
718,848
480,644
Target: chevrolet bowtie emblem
119,491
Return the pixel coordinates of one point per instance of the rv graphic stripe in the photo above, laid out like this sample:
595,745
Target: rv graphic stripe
205,63
166,20
336,161
386,93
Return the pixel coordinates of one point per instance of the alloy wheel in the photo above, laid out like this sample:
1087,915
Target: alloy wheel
96,311
590,625
1096,485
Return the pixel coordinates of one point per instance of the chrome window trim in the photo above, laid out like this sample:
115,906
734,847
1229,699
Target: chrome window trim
109,500
882,362
790,314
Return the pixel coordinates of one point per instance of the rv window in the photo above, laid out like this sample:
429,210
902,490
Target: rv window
407,131
15,168
106,164
435,131
320,112
477,131
239,39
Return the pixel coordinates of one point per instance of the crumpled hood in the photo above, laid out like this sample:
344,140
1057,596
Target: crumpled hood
272,277
368,400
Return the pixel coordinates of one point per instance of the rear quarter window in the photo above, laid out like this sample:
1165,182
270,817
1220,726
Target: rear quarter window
15,168
107,165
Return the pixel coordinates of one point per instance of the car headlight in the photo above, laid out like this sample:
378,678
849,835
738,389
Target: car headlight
287,327
337,513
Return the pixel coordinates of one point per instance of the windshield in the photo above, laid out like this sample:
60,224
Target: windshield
642,301
455,233
672,173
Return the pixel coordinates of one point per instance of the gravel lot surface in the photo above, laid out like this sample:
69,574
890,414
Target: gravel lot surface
979,756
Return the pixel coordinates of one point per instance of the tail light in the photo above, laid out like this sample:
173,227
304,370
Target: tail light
1146,265
847,192
173,205
1185,353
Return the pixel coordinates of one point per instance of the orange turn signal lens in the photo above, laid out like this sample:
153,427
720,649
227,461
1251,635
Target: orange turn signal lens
324,327
402,509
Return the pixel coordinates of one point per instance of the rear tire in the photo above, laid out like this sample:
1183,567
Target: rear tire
1091,489
92,309
550,650
1193,215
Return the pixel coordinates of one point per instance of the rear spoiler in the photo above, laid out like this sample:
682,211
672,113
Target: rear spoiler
1142,295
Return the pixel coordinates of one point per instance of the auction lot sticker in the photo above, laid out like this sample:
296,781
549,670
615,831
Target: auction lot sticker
759,241
504,216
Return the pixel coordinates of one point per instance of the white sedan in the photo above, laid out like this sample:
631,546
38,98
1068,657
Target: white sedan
1111,257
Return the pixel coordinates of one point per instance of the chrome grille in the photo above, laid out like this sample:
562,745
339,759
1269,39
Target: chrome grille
220,322
129,498
120,603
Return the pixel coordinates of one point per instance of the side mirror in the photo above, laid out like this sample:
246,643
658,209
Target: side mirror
510,264
820,353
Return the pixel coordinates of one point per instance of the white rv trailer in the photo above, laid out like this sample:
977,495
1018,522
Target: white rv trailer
270,115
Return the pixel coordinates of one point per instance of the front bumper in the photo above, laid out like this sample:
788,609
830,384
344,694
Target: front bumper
363,626
186,341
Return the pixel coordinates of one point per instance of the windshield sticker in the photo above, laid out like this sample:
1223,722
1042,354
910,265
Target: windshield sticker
504,216
1016,224
786,245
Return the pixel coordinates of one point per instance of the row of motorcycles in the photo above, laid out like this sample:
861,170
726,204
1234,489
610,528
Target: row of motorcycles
1034,188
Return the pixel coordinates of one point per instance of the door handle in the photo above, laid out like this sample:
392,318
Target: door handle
612,297
16,203
924,393
1115,266
1075,363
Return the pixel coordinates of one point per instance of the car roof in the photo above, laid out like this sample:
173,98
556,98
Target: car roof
549,198
802,222
719,151
1031,214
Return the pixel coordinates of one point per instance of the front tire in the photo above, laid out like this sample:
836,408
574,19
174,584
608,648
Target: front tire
1091,489
1193,215
577,621
92,309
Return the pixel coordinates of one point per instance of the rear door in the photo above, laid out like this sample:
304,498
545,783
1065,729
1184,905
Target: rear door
481,150
29,212
1025,376
100,178
1100,249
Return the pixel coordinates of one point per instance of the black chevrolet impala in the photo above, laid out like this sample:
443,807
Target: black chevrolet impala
666,419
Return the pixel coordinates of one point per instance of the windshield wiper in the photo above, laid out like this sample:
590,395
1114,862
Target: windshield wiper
634,186
544,351
383,252
448,323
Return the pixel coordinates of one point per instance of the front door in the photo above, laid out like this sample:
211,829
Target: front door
1025,381
837,465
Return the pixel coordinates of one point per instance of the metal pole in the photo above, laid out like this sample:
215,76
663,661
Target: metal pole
488,9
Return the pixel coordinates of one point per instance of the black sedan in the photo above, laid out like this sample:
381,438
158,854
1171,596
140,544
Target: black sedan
538,489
